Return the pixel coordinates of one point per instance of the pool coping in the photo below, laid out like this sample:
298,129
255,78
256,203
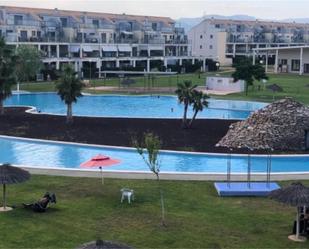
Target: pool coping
143,175
165,175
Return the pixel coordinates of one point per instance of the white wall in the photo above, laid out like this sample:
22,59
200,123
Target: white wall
293,54
224,84
209,42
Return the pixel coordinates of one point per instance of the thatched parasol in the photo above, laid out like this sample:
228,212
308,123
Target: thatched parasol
101,244
11,175
296,195
274,88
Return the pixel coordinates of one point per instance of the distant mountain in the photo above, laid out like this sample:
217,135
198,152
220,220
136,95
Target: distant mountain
188,23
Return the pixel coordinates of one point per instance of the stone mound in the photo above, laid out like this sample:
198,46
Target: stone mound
281,125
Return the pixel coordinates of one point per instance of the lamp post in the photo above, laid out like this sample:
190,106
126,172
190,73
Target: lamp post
217,65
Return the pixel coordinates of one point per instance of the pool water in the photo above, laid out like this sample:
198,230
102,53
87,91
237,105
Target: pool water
133,106
48,154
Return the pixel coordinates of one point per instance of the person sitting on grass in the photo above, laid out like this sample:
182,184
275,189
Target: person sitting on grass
41,205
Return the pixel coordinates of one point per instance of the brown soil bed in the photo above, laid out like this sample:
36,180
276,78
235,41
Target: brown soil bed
117,131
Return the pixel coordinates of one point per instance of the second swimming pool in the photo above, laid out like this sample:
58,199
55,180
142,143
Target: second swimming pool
47,154
133,106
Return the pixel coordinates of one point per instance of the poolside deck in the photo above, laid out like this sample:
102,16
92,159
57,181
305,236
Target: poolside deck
245,188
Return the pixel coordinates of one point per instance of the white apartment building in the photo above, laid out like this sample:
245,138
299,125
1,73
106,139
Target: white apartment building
293,59
223,40
99,40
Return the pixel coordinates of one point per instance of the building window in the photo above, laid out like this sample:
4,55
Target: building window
295,65
211,36
33,33
18,20
201,36
154,26
95,23
64,22
284,62
217,26
201,46
210,46
103,37
23,35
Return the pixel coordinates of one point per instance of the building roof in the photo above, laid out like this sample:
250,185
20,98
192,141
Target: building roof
257,22
280,48
79,14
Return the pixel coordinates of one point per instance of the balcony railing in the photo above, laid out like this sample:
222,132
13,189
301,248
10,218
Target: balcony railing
24,23
92,26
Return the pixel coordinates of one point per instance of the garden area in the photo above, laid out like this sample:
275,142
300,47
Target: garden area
292,85
196,217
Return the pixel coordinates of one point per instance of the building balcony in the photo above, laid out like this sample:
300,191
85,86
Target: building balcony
92,26
24,23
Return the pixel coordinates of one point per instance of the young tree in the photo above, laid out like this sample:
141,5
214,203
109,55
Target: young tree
69,88
185,92
149,151
7,72
245,70
199,101
28,62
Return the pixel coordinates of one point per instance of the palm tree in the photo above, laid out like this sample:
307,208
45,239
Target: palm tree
69,88
184,92
7,72
199,101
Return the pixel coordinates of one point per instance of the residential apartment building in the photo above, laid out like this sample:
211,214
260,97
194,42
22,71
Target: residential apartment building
222,40
105,41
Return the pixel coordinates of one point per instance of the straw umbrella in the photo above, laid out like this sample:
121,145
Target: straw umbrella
274,88
296,195
100,244
11,175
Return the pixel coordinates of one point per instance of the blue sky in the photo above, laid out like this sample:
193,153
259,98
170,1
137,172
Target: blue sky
270,9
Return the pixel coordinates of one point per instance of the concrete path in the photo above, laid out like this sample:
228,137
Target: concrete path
170,90
166,176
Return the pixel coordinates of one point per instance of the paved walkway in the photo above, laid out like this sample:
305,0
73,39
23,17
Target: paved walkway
167,176
154,90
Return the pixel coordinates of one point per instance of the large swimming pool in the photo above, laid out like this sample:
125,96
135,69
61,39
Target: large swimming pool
45,154
133,106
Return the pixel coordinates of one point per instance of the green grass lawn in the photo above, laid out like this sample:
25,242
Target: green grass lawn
293,86
196,216
159,81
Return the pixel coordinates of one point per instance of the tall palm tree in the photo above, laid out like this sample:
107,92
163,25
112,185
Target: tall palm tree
199,101
7,72
69,88
184,92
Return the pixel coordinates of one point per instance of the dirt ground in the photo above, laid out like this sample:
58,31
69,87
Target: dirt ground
117,131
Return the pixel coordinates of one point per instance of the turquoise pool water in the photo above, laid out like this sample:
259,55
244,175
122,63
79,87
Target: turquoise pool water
133,106
60,155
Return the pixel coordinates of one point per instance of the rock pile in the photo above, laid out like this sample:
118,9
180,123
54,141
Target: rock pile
281,126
